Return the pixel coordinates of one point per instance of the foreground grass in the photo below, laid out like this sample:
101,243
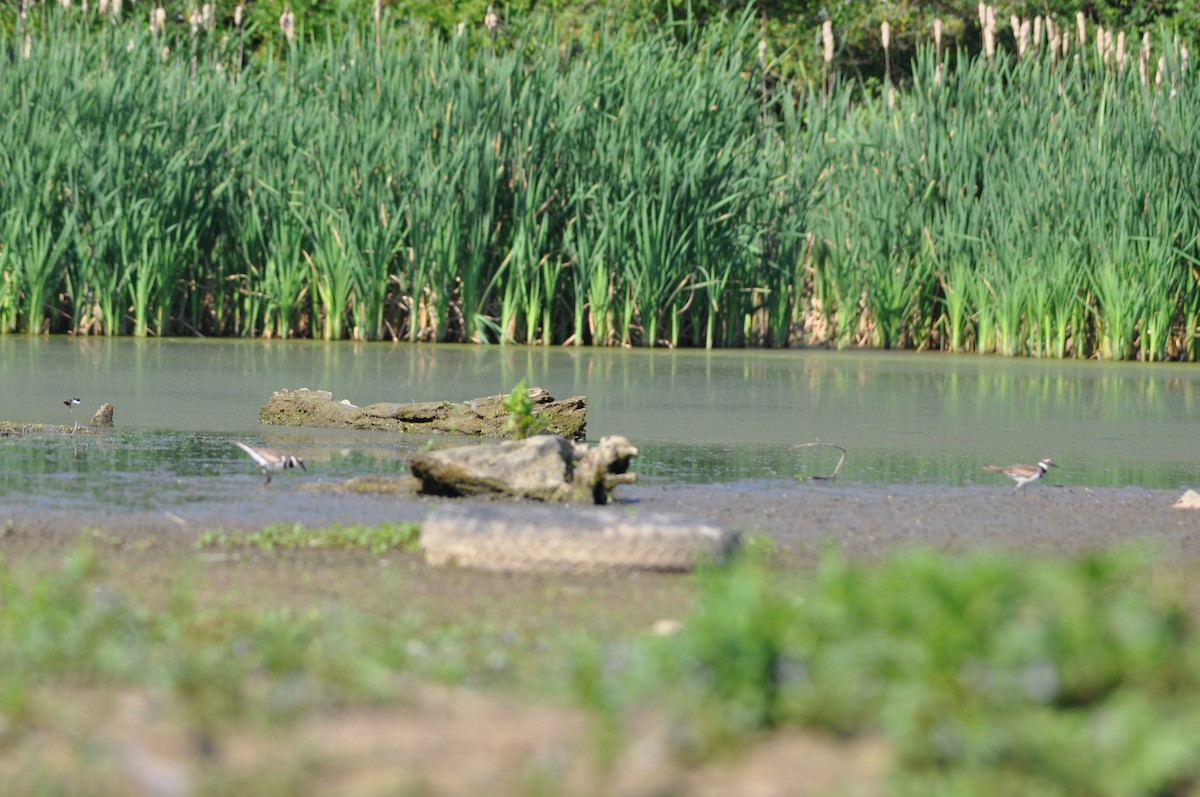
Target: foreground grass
984,674
988,674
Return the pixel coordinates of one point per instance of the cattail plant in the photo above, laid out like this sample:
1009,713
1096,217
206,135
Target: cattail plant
491,22
1144,58
158,20
1023,39
1121,52
827,50
937,50
287,24
762,80
238,14
885,37
989,33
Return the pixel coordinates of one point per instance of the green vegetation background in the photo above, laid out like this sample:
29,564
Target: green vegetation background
570,175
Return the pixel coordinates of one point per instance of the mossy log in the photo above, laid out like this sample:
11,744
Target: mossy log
481,417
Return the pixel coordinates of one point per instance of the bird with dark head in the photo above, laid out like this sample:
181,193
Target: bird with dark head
1023,474
270,460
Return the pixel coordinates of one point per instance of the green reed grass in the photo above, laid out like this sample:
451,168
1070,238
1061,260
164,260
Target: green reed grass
634,188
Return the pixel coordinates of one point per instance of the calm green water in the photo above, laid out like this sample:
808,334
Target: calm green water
696,416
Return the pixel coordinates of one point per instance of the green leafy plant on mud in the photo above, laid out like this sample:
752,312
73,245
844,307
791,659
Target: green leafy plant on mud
296,536
521,421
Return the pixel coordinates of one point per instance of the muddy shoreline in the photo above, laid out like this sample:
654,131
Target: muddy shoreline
862,520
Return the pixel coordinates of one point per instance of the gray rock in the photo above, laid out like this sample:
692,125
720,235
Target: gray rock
574,539
542,467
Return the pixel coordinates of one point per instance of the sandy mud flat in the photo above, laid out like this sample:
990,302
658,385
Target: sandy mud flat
861,519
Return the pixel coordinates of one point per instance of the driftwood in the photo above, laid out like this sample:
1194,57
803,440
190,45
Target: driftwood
574,539
542,467
481,417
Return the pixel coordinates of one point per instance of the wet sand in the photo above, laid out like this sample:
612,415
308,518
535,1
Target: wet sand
875,520
862,520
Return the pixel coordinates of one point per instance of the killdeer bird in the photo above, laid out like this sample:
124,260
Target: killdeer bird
1022,474
269,459
72,403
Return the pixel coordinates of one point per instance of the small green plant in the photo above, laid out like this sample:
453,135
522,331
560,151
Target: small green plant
521,420
296,536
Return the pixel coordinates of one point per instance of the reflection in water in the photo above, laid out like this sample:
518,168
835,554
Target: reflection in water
696,416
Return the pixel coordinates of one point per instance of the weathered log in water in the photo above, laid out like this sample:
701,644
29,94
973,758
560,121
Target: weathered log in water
481,417
575,539
543,467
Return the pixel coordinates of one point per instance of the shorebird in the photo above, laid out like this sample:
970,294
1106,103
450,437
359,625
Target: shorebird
72,403
269,459
1023,474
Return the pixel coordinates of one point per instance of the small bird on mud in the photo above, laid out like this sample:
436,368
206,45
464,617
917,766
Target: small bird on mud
1022,474
269,459
72,403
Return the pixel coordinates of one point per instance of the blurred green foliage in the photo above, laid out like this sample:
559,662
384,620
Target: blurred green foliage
990,673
